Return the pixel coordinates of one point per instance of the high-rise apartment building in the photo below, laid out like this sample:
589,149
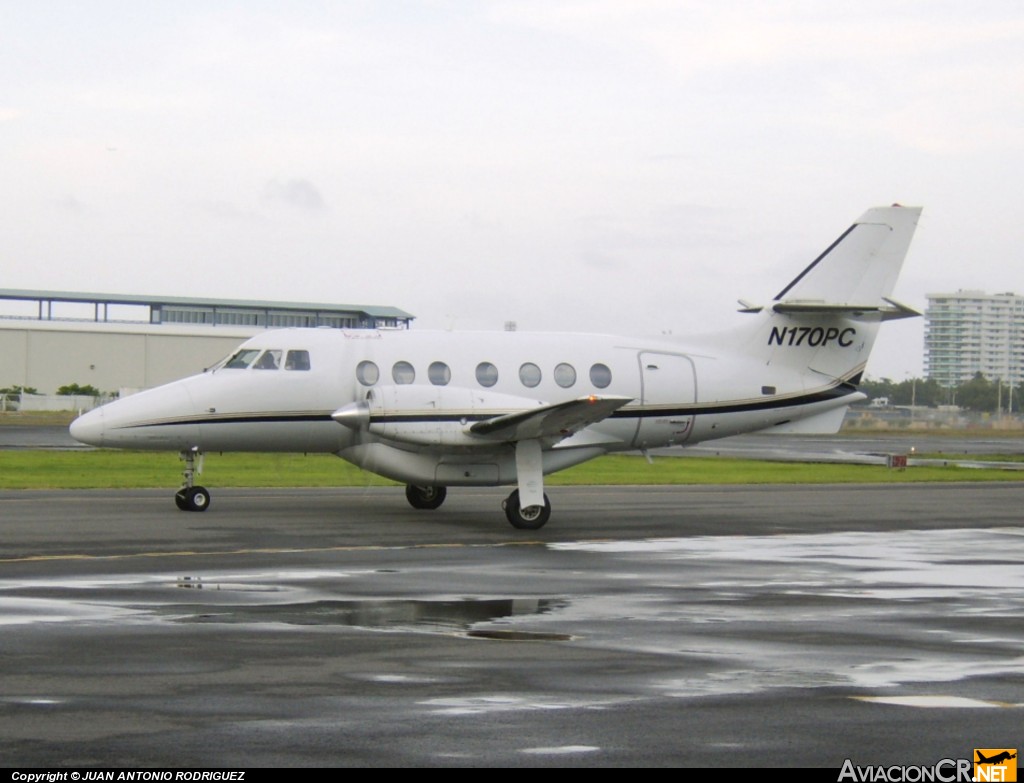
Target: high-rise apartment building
970,332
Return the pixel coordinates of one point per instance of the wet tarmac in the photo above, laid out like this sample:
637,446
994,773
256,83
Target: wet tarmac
652,626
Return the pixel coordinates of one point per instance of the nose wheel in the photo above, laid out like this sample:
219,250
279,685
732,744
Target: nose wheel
192,497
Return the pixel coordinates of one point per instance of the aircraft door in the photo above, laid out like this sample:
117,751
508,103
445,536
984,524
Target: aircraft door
668,386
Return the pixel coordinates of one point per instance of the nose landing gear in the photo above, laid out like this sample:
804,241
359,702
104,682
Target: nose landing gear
191,497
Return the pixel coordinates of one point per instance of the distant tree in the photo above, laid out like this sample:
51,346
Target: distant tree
15,392
978,394
912,391
876,389
75,389
1015,399
919,391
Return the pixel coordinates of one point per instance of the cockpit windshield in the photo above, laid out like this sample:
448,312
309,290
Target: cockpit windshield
297,360
270,359
242,359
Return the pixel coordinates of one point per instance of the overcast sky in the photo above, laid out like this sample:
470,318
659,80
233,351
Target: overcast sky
594,166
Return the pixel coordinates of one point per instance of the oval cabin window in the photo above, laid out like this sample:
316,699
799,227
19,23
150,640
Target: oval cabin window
403,373
486,374
600,376
565,375
529,374
439,373
367,373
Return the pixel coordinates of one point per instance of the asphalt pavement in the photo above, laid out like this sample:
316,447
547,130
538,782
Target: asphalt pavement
643,626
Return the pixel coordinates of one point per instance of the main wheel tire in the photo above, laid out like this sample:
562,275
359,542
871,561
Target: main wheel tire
425,497
529,518
193,499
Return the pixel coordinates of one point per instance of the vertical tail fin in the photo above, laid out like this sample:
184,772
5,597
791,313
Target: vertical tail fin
825,321
860,268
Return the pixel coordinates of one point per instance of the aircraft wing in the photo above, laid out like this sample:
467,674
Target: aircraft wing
556,422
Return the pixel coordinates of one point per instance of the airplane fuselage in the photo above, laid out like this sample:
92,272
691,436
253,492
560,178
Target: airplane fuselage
421,390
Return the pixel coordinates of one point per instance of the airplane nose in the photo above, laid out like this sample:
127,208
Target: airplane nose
89,428
160,418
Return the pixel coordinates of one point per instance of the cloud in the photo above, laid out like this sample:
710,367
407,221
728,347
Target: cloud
602,261
298,193
71,205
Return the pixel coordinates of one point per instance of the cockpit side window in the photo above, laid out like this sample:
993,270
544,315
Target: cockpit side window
242,359
270,360
297,360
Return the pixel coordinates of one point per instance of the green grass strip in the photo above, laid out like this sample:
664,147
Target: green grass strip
143,469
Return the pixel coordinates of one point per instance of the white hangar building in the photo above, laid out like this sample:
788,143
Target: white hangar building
115,342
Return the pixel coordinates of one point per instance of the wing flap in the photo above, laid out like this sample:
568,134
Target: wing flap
558,421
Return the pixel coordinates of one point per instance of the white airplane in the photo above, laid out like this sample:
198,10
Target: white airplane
443,409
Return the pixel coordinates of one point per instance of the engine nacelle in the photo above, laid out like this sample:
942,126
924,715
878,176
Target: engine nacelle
429,415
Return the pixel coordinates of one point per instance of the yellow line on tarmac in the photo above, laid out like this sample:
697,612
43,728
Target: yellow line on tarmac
282,551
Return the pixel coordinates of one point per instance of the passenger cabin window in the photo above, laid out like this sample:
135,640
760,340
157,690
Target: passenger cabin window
297,360
565,375
486,374
270,360
403,372
600,376
367,373
242,359
439,373
529,374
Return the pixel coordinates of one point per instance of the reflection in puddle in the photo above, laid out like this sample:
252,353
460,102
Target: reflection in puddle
509,635
390,614
935,702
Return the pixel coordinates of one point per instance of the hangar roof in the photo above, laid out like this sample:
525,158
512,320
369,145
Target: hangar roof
160,307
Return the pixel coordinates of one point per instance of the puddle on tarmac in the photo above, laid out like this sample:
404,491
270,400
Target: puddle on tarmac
435,615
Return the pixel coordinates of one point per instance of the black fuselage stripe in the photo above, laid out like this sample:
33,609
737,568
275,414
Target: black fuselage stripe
255,418
693,409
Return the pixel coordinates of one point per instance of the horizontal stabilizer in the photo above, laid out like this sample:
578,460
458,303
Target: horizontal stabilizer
557,421
891,311
749,307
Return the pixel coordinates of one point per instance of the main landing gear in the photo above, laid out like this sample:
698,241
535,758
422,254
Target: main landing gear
529,518
425,497
191,497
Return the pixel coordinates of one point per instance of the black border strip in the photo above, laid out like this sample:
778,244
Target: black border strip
815,262
639,412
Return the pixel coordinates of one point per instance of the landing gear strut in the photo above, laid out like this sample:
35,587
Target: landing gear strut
529,518
425,497
191,497
530,473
